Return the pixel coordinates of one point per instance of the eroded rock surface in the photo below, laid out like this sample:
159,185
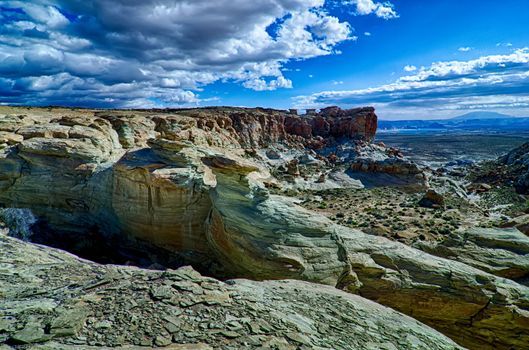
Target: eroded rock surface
210,187
263,236
53,300
502,252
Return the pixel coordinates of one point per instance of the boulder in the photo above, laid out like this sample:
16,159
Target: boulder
432,199
479,187
10,138
520,222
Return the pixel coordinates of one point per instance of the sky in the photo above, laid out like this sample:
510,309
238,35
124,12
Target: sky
426,59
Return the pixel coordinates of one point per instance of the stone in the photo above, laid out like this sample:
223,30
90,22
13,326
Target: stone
31,333
161,292
318,307
162,341
479,187
432,199
520,222
298,338
292,168
69,321
273,154
10,138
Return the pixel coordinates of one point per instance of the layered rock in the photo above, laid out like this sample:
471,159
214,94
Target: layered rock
502,252
264,236
51,170
51,300
126,172
355,124
378,165
164,179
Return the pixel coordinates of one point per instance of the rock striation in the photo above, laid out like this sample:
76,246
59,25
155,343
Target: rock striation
263,236
502,252
351,124
138,173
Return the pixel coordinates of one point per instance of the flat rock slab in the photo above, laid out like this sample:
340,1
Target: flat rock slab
113,307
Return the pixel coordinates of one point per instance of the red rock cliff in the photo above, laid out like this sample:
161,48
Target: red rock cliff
355,124
258,127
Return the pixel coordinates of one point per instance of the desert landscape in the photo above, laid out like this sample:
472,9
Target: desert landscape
184,211
266,174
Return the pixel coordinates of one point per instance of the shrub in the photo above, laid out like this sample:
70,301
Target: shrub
18,221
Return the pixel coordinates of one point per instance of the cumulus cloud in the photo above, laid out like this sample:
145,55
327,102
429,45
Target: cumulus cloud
464,49
384,10
108,53
495,81
410,68
263,85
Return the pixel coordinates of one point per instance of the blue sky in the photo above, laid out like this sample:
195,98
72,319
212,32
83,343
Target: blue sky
410,59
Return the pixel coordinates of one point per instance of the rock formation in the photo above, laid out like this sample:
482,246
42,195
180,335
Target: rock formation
518,162
205,187
262,236
502,252
51,300
352,124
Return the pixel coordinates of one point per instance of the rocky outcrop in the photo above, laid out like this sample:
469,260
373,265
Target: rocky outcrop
263,236
517,168
432,199
520,222
378,165
196,184
258,128
51,300
502,252
355,124
132,172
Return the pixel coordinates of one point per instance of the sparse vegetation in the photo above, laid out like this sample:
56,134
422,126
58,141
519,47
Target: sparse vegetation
18,222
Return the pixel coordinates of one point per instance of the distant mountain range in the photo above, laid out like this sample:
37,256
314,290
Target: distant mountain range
471,122
482,115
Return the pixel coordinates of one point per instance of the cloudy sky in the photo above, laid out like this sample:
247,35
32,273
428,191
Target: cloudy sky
410,59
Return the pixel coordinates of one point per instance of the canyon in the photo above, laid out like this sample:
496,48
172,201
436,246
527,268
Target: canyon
230,192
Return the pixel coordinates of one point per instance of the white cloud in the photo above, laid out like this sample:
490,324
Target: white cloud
48,15
494,81
410,68
161,49
383,10
263,85
367,33
464,49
